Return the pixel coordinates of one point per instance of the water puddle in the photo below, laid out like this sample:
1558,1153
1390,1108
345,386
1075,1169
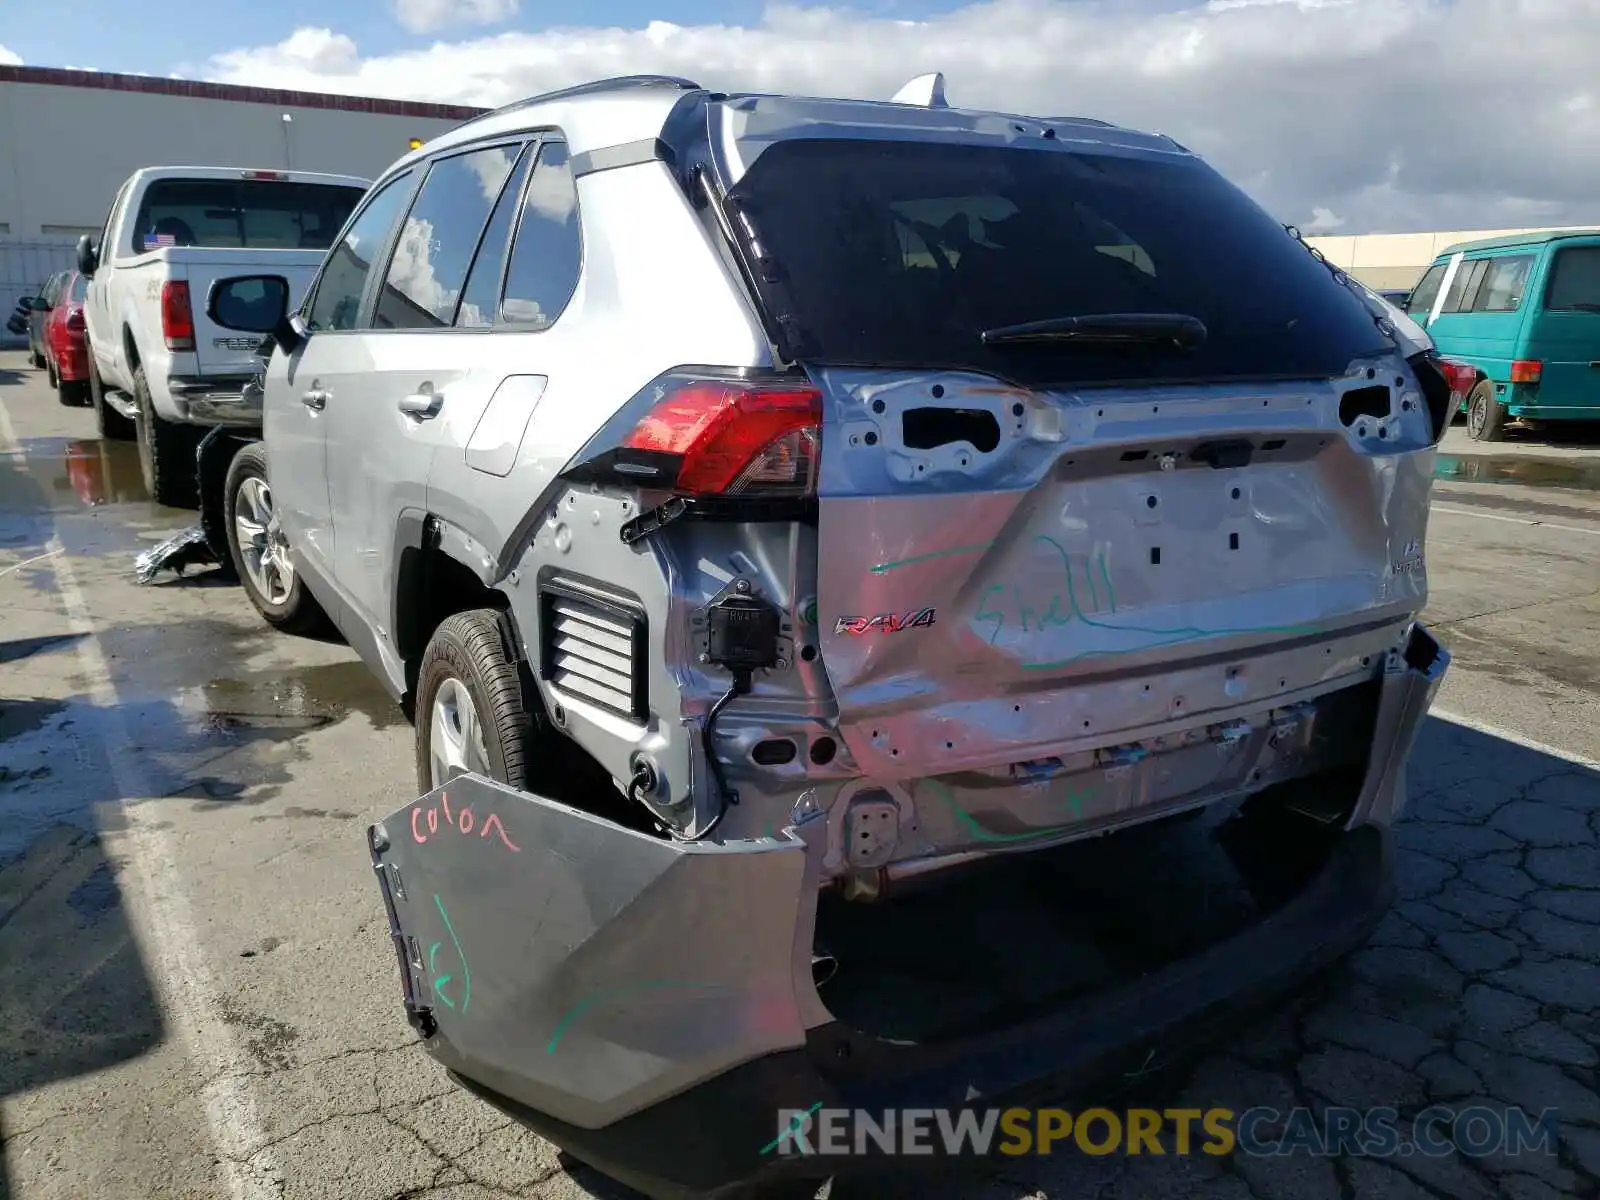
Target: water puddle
1580,475
325,693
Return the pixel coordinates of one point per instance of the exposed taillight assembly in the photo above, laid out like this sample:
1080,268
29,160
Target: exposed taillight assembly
1461,377
1526,370
74,320
177,318
724,437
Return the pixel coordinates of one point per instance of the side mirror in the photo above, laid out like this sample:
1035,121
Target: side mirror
249,303
88,257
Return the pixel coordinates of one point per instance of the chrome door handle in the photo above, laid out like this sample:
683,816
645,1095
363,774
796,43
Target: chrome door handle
423,405
315,399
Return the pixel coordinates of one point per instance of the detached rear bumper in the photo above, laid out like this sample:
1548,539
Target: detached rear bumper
719,1136
648,1005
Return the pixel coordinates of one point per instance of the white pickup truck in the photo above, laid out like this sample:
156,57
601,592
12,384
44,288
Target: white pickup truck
159,370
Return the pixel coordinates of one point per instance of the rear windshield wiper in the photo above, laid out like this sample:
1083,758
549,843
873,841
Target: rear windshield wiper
1177,331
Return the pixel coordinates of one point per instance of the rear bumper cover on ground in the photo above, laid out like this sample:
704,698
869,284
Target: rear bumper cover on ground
648,1005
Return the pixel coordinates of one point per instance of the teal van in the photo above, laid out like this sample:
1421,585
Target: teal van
1524,312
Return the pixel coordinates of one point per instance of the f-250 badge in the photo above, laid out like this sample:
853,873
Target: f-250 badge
917,618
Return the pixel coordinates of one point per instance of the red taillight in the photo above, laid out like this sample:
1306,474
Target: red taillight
1526,370
177,320
736,439
1460,376
74,320
265,174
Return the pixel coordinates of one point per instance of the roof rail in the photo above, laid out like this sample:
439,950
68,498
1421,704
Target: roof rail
596,88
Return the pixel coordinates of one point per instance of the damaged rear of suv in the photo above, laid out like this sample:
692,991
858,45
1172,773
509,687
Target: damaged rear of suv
899,499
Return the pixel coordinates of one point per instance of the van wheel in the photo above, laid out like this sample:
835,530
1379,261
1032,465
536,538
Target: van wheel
113,426
470,713
166,452
259,552
1486,416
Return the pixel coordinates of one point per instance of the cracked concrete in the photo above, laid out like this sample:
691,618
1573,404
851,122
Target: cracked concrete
267,755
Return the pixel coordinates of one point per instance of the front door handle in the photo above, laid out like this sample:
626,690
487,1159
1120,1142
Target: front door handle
316,399
423,405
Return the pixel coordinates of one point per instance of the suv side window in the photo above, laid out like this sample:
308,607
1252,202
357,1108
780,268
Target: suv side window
1427,290
1503,284
336,303
478,298
547,255
440,235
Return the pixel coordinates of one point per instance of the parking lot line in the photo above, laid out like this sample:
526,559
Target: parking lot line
1452,510
1518,739
181,975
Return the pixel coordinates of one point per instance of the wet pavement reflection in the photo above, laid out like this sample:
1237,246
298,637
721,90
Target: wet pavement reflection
1579,474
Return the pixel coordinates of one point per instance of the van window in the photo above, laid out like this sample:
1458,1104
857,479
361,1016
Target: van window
1465,285
1427,289
1575,280
1503,284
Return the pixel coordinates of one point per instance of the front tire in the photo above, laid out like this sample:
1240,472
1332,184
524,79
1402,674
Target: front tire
470,710
259,552
166,452
1486,416
113,426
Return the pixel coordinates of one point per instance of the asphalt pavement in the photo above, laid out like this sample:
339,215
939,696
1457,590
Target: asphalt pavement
198,998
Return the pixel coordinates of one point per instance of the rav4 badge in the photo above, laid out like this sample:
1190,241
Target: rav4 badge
885,622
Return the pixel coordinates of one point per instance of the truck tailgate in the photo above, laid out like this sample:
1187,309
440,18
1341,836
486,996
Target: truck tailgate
221,351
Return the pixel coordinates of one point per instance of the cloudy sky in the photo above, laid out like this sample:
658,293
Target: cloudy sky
1338,115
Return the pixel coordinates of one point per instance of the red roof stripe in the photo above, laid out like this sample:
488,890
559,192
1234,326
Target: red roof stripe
194,89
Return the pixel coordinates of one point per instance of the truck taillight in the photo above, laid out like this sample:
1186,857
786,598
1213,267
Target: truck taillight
264,174
1526,370
732,438
177,319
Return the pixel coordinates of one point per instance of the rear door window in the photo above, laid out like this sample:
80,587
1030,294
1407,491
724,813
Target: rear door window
1574,280
1503,284
267,214
547,255
439,238
1427,290
901,255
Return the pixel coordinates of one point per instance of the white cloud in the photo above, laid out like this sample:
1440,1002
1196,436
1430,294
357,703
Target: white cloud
9,58
425,16
1394,114
1323,220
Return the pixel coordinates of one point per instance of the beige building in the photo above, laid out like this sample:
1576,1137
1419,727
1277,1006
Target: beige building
1397,260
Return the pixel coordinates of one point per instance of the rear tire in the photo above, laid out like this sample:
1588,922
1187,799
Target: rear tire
113,426
1486,416
166,452
470,710
37,358
74,393
277,590
50,374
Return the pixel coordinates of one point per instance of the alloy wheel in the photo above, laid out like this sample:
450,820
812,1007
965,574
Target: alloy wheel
261,544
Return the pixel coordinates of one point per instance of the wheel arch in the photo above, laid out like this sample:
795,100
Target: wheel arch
440,570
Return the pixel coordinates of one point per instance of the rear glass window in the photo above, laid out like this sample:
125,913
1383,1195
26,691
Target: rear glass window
267,214
902,254
1575,279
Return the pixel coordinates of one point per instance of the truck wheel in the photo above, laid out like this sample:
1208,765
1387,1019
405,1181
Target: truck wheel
1486,416
166,452
470,714
259,552
113,426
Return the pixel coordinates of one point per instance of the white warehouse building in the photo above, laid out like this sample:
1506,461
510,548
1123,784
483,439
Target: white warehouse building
72,137
69,138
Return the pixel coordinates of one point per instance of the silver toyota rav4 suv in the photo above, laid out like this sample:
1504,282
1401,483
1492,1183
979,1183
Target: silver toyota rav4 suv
832,550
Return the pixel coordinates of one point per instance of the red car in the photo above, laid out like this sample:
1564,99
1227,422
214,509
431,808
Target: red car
66,354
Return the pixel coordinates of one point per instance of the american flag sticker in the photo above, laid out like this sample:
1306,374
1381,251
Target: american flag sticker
154,241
